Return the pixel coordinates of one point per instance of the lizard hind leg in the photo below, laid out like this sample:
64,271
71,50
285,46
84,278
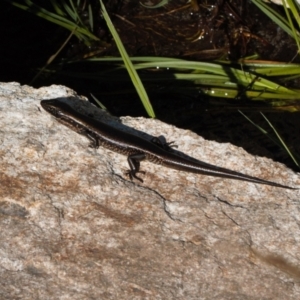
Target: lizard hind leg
134,164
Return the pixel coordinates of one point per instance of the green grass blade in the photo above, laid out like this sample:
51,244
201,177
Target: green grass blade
280,144
71,10
57,8
100,104
275,17
160,4
81,32
91,19
291,24
283,144
129,66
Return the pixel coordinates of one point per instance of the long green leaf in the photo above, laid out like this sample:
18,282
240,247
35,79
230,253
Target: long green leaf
129,66
276,17
280,144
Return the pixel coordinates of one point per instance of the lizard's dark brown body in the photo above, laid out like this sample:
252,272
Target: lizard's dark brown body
137,148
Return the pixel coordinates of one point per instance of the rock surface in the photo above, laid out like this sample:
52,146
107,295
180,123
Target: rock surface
74,227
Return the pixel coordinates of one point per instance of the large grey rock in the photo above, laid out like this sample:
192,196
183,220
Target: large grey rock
74,227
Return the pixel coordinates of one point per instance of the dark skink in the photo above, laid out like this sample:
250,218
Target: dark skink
137,148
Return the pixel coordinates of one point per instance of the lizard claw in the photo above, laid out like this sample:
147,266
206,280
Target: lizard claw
132,175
